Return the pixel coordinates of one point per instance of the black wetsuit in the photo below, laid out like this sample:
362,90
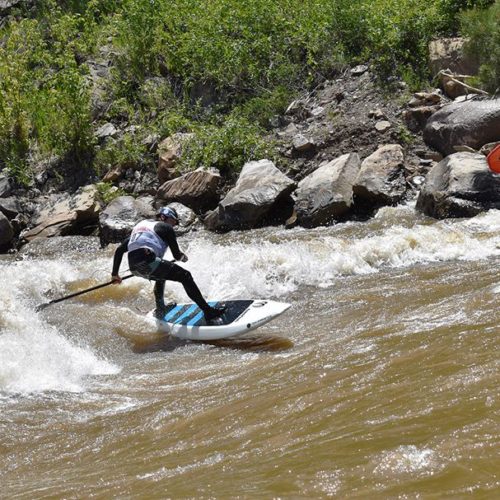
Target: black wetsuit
144,263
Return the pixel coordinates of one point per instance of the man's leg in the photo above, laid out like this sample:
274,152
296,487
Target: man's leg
159,291
172,272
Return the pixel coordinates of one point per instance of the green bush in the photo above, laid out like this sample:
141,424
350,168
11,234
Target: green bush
226,147
128,152
44,98
253,56
482,27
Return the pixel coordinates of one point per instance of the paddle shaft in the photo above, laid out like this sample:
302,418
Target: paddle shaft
102,285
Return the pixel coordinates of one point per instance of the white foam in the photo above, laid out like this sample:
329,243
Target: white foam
261,265
34,356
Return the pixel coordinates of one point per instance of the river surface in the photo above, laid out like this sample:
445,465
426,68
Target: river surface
381,381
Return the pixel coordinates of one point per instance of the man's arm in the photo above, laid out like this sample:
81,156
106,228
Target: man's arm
117,259
167,234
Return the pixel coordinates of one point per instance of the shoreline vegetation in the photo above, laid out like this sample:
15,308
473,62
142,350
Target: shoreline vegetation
87,87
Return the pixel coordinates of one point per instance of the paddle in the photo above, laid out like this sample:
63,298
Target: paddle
102,285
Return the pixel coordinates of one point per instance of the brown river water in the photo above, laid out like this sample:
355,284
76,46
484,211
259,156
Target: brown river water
381,381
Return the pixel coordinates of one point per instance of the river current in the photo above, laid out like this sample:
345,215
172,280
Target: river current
381,381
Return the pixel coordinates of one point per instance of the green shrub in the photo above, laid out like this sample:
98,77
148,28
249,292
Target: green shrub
108,192
128,152
226,147
45,102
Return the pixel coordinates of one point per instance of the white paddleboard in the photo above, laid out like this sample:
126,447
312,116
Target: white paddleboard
187,321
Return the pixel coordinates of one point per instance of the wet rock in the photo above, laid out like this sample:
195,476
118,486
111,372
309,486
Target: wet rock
472,123
381,178
461,185
326,194
120,216
261,195
62,215
197,190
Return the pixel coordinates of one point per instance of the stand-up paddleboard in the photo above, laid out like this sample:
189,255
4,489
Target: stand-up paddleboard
187,321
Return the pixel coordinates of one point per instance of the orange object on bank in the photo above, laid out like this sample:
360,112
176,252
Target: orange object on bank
494,159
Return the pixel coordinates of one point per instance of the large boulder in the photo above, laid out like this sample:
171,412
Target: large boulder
261,195
10,207
381,178
326,194
471,123
66,215
170,150
461,185
448,53
197,190
121,215
6,232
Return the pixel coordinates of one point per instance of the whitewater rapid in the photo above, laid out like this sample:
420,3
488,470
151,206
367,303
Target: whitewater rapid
37,355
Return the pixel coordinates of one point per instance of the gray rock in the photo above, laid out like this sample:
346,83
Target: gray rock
197,190
62,215
5,186
10,207
302,144
382,126
359,70
461,185
6,232
260,195
381,179
326,194
471,123
107,130
5,5
120,216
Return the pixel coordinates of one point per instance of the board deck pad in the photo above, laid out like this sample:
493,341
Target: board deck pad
192,315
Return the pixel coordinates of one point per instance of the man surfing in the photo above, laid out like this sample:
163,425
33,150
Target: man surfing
146,246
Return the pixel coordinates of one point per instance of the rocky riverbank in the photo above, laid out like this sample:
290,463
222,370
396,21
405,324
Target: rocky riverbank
346,149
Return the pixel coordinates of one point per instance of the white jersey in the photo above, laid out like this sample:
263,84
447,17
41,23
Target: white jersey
144,236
